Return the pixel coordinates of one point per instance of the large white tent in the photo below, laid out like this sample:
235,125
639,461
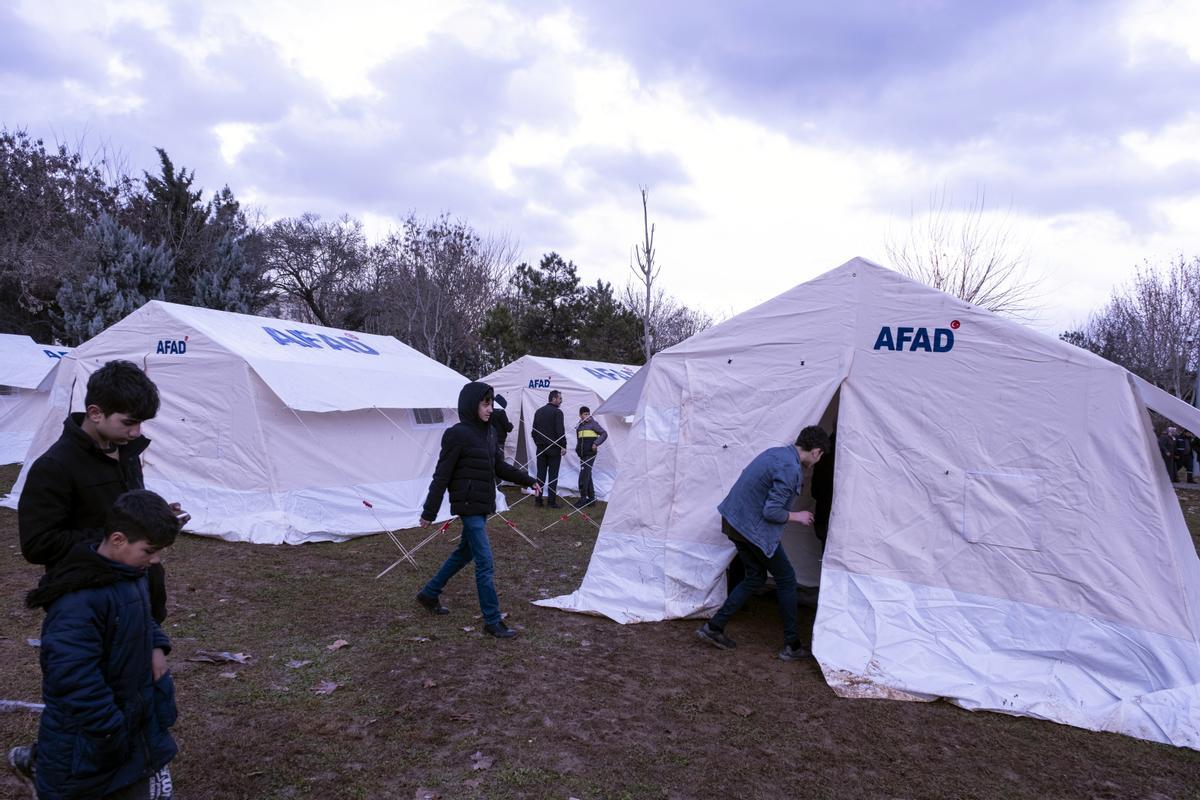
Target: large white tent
526,385
24,365
1003,533
274,431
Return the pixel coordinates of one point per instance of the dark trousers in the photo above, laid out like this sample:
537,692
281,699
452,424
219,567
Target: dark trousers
757,565
587,490
548,462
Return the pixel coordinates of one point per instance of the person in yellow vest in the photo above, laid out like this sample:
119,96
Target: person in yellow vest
589,435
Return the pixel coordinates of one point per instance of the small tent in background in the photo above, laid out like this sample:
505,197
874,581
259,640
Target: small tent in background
24,364
274,431
526,384
1003,534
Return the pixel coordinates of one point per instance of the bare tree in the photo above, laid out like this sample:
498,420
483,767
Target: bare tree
438,279
969,254
1152,326
319,268
670,322
646,273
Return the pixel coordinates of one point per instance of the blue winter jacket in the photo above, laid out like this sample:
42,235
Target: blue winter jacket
758,504
106,721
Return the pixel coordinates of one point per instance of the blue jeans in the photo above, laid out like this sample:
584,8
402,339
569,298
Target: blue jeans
473,546
757,566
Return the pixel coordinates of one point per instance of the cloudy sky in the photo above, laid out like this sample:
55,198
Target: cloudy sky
777,139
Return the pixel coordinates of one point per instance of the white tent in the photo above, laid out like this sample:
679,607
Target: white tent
24,364
526,385
1003,533
274,431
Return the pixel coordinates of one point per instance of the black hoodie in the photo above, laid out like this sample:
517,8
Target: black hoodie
469,462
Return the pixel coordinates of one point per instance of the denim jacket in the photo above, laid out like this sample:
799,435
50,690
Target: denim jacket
759,502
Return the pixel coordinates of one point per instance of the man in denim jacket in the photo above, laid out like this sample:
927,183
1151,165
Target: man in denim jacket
752,516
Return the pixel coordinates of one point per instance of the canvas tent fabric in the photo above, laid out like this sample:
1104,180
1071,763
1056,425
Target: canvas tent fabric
526,385
24,365
273,431
1002,534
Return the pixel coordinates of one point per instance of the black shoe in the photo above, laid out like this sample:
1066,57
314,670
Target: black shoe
715,637
794,652
499,630
553,504
21,759
431,604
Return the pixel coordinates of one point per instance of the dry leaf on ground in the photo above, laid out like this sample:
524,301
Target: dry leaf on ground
480,761
325,687
338,645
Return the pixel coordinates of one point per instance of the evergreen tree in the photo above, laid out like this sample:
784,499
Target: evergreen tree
122,274
227,280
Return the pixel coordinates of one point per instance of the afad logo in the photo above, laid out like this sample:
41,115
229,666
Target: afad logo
55,353
320,341
610,374
912,339
173,347
539,383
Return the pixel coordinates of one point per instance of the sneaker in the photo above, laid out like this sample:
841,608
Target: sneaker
21,761
715,637
431,604
499,630
794,652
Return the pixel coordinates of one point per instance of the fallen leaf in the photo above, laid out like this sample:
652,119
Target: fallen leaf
325,687
426,794
480,761
429,683
230,675
585,643
418,639
742,711
338,645
297,664
468,628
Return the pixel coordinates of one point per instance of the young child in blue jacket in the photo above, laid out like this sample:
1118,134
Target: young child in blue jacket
110,700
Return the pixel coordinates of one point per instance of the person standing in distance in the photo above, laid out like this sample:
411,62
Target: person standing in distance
550,442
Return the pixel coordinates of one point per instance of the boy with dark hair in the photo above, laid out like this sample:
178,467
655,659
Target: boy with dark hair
589,435
108,702
468,463
752,516
550,444
71,487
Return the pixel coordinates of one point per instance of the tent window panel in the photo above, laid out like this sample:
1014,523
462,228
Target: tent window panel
8,390
428,416
1003,510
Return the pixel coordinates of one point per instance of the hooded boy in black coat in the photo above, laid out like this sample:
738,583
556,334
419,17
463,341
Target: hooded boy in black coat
468,464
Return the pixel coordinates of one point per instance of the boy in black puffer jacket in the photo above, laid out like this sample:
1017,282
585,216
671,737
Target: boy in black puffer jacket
468,465
105,728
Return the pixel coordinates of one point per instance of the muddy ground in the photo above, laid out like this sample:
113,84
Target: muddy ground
576,707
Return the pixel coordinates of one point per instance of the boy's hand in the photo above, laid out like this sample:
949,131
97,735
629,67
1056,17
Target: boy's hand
180,514
424,523
537,489
564,451
803,517
158,663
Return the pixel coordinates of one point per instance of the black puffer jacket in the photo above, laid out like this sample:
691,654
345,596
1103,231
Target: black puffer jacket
69,490
68,493
469,462
500,421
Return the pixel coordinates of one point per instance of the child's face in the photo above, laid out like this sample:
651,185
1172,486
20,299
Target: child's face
139,554
485,409
584,416
118,428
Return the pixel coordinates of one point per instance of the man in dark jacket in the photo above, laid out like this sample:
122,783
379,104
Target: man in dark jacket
550,442
468,464
71,487
108,704
1183,455
500,423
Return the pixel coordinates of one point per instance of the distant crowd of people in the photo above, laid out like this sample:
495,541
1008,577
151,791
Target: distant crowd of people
1178,449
